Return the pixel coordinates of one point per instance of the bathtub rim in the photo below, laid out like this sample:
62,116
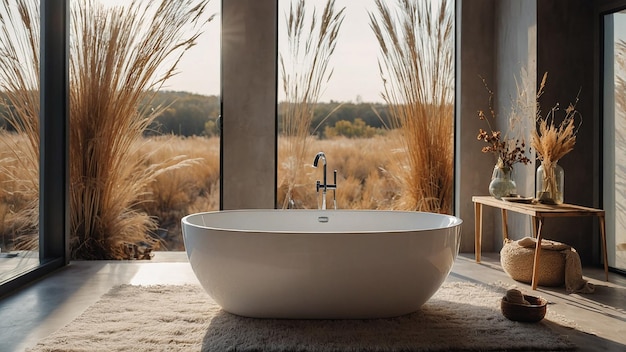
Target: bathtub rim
454,221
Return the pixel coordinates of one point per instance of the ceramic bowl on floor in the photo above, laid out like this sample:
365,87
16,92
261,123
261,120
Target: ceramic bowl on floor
530,313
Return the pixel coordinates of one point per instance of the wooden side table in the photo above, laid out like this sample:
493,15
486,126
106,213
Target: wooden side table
538,213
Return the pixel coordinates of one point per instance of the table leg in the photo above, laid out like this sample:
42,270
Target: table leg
478,229
534,220
537,254
603,237
505,225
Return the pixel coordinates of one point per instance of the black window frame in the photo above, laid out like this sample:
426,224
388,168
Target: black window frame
54,145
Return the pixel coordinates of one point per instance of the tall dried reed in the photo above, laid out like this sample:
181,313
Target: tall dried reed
311,42
119,57
417,69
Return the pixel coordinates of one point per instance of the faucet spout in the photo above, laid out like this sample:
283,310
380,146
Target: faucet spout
322,156
317,159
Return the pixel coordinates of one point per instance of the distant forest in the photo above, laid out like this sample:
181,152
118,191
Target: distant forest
188,114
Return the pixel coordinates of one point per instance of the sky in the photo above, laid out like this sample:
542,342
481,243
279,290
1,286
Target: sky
354,62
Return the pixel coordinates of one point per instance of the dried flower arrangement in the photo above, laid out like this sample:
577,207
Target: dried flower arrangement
554,140
508,149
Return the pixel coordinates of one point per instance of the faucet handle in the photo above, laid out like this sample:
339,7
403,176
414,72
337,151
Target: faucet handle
334,184
318,185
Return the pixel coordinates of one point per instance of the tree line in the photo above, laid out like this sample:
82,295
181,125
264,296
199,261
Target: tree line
188,114
192,114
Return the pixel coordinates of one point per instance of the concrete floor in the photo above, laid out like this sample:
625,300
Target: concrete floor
47,305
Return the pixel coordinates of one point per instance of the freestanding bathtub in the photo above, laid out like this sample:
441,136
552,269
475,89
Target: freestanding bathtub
321,264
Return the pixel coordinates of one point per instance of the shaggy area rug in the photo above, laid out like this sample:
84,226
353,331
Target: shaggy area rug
459,317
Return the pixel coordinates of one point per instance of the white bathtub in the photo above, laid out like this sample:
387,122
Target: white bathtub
321,264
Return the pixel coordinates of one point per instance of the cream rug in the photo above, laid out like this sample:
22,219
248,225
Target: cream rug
459,317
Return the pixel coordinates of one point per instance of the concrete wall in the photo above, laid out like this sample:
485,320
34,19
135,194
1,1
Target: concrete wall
495,40
565,49
249,68
475,58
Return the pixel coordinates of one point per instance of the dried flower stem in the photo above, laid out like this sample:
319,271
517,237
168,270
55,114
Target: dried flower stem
509,150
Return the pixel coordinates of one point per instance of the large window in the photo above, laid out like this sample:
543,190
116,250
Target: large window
37,238
40,135
371,112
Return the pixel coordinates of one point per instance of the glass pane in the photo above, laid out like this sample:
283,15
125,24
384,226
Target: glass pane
615,137
19,140
343,98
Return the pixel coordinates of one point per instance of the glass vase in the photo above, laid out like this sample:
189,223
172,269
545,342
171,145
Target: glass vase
550,181
502,184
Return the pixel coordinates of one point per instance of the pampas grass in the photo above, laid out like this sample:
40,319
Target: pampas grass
311,42
552,140
416,65
119,58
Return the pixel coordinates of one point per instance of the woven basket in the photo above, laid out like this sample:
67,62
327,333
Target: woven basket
517,262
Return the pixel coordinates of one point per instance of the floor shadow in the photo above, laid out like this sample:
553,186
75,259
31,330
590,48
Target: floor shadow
585,341
607,300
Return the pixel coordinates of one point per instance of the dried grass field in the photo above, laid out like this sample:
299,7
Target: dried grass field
366,177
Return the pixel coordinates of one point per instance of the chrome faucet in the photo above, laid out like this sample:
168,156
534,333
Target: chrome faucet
325,186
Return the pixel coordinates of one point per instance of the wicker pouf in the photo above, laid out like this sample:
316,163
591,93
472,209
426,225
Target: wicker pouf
517,262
